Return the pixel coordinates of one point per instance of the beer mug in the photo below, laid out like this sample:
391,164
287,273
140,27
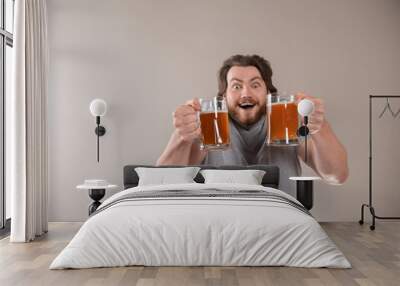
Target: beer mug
214,124
282,120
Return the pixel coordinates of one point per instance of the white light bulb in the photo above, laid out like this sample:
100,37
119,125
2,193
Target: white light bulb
98,107
305,107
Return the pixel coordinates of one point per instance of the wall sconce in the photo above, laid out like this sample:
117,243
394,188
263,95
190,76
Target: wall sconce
305,108
98,108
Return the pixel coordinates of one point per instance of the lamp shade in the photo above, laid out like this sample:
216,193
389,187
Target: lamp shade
305,107
98,107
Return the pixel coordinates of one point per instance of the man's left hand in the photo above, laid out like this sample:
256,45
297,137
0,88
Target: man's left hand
316,119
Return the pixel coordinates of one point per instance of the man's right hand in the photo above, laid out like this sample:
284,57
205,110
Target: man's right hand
186,121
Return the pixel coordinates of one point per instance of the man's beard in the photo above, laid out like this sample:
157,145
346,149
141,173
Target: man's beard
260,114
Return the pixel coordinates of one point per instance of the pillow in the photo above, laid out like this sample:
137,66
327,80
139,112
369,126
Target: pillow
249,177
162,176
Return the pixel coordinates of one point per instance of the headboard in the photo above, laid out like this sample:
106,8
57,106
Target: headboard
270,179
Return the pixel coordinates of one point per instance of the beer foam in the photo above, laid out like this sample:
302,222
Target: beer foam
207,112
282,102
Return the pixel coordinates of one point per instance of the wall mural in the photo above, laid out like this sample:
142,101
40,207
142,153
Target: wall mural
249,122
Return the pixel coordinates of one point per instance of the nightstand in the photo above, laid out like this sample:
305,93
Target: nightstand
304,190
96,193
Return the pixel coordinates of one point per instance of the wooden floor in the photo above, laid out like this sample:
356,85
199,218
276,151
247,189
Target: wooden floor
375,256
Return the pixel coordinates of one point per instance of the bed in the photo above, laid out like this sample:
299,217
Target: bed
201,224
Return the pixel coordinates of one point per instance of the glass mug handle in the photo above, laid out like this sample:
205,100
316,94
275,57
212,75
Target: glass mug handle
200,139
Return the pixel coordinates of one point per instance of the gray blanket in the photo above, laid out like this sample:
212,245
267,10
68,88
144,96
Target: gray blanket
204,194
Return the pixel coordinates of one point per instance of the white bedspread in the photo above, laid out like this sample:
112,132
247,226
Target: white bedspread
200,231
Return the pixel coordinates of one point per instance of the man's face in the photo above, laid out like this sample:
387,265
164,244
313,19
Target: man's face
246,94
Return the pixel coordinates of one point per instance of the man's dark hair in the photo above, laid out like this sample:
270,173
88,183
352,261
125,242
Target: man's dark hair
260,63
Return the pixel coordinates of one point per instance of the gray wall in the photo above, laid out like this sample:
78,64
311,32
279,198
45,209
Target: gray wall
146,57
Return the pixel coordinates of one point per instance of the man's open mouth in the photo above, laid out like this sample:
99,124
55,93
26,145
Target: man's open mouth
247,105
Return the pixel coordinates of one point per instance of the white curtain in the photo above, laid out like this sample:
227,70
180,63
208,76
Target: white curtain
28,122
